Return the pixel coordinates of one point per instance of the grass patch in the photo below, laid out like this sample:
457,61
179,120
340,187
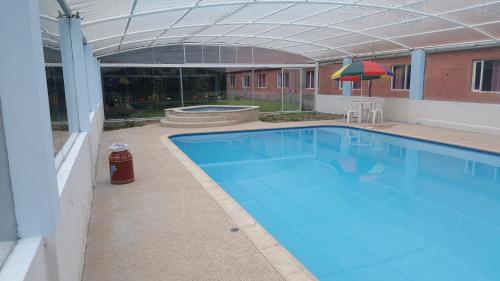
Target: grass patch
125,124
297,116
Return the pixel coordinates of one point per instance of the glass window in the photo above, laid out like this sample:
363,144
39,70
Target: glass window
286,80
232,81
356,85
57,106
135,92
8,229
261,80
310,79
401,78
245,81
486,75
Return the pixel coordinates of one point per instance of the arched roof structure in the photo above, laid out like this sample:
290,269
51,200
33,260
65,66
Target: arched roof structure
318,29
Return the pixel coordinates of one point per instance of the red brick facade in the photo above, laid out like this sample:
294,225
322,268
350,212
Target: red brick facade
448,76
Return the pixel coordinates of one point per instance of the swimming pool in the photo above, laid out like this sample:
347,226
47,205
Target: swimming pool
351,204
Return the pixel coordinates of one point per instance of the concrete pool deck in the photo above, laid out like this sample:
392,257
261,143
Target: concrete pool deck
166,226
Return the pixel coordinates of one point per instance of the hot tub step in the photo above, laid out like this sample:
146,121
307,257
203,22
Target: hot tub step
195,119
167,123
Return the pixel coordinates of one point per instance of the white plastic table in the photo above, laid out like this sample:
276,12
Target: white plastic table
361,106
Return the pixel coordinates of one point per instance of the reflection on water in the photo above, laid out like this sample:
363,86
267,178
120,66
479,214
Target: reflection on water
356,205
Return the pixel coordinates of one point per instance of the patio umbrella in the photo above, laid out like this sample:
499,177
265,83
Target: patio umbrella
362,70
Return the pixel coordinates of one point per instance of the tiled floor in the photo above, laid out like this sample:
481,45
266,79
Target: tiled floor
165,226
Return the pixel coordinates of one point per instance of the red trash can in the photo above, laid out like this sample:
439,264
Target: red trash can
121,166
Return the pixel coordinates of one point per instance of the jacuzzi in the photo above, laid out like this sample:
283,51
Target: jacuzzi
202,116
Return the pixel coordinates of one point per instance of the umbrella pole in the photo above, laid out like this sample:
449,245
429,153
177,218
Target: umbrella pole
361,82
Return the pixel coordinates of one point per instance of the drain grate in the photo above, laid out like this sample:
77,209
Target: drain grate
235,229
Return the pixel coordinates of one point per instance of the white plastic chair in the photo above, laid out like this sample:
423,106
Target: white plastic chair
350,111
377,111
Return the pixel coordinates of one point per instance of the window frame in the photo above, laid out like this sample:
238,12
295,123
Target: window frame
232,81
473,81
406,85
340,83
286,79
261,77
243,79
310,79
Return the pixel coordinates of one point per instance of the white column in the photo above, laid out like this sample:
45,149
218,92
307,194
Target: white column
26,117
316,84
75,73
346,87
100,96
417,74
91,78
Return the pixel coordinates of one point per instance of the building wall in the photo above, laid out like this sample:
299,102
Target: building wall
270,92
448,76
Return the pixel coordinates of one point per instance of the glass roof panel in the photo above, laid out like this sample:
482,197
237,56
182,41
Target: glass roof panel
285,30
340,14
319,29
142,35
443,6
176,31
106,42
455,36
252,29
153,21
217,29
317,33
207,14
371,47
493,29
411,27
377,19
252,12
346,40
148,5
295,12
105,29
477,15
92,10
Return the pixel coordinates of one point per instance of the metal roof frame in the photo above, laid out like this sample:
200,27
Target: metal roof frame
315,45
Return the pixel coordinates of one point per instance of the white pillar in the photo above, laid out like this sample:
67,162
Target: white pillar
91,78
75,73
316,84
26,117
100,95
417,74
346,87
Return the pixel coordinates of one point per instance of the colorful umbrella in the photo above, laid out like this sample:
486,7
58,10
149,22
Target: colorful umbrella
362,70
367,70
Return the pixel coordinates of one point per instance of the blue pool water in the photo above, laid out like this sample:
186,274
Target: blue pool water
356,205
213,108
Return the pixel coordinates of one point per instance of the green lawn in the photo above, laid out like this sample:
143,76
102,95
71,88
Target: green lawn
297,116
265,106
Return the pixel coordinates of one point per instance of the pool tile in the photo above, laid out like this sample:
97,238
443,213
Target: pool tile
256,189
481,265
312,258
374,240
316,205
286,210
378,272
405,228
337,194
279,183
235,191
336,246
261,214
422,267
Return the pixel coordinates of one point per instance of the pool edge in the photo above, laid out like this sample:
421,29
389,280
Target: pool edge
275,253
